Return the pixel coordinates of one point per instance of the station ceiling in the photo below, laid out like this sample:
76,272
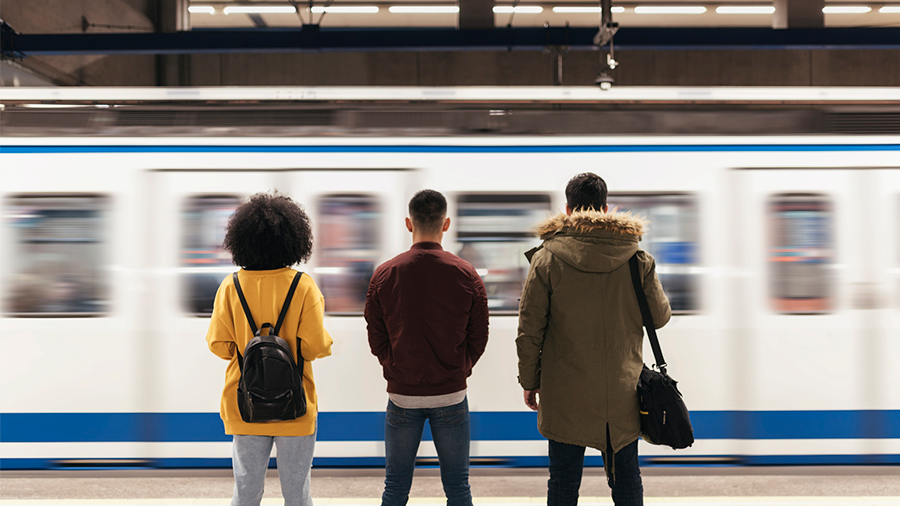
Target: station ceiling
528,13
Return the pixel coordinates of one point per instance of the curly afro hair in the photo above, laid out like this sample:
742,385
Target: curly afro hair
269,231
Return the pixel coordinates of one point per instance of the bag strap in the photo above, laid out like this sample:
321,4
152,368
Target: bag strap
645,312
237,285
284,308
287,302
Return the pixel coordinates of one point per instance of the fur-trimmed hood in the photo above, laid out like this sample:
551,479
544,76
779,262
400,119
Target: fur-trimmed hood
593,241
580,222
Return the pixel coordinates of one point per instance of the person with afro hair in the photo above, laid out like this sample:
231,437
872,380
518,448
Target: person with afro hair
267,235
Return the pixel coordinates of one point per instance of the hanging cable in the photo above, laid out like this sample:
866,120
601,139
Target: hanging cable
324,10
297,9
512,14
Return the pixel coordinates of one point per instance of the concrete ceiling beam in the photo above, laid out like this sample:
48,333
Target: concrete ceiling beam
497,39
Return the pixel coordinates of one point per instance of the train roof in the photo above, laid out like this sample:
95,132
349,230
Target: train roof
447,111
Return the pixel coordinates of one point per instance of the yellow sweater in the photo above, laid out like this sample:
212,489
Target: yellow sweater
229,331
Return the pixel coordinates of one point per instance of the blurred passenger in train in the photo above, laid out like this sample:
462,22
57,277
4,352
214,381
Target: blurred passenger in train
266,236
580,340
427,318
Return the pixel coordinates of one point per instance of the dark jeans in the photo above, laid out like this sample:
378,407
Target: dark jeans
567,464
402,434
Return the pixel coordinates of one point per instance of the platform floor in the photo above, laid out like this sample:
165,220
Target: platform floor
768,486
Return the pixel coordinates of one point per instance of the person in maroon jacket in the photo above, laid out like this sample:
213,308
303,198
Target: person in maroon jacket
427,318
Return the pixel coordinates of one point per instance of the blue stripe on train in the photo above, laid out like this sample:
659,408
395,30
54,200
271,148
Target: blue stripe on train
639,148
486,426
357,462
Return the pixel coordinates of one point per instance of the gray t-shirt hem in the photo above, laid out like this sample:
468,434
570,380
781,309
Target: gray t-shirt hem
427,401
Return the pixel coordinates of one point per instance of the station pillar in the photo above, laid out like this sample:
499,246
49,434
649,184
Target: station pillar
799,14
476,14
173,69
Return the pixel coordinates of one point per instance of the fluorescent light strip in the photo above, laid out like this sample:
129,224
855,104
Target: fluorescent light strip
262,9
55,106
674,9
890,9
745,9
202,9
424,9
357,9
583,10
846,9
528,9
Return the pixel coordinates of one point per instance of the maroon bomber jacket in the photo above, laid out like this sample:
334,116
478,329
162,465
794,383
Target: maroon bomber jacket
427,317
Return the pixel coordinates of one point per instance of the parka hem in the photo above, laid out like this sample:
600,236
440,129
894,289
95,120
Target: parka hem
589,444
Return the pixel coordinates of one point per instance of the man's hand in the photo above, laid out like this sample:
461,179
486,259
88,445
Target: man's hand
531,398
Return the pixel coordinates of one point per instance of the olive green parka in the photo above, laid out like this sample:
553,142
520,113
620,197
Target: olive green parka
580,336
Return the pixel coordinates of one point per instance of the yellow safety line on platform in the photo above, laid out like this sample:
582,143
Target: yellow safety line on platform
498,501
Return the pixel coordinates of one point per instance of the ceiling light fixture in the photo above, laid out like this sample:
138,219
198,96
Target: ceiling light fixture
584,10
527,9
55,106
669,9
890,9
745,9
846,9
202,9
261,9
356,9
424,9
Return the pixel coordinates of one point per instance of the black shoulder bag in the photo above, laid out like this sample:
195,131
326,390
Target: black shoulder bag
664,417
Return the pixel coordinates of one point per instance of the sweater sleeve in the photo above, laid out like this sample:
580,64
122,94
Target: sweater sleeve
533,315
315,342
220,336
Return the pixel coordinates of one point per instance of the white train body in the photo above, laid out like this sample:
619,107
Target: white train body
775,372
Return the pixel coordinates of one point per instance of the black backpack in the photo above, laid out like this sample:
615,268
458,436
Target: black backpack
271,385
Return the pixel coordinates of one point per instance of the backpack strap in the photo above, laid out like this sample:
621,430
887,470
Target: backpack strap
645,313
287,302
237,285
284,308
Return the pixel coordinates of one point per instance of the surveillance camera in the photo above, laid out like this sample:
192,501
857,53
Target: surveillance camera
604,81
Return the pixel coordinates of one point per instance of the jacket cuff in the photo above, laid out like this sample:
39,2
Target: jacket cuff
532,385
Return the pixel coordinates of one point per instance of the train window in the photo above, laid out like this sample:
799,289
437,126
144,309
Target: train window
204,261
348,245
58,263
800,253
495,231
672,238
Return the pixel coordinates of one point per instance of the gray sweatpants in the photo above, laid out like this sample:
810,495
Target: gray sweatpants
251,460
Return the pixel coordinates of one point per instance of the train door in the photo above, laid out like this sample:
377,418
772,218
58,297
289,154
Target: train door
358,223
816,271
884,299
187,219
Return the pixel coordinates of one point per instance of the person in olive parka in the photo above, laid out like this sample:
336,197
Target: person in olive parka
580,340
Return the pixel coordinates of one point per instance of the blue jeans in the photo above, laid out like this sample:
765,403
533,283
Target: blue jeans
402,435
567,464
251,460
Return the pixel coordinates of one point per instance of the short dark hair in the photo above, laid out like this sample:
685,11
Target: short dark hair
427,210
586,191
269,231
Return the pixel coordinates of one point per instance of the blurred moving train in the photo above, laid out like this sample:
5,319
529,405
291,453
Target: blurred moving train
777,241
